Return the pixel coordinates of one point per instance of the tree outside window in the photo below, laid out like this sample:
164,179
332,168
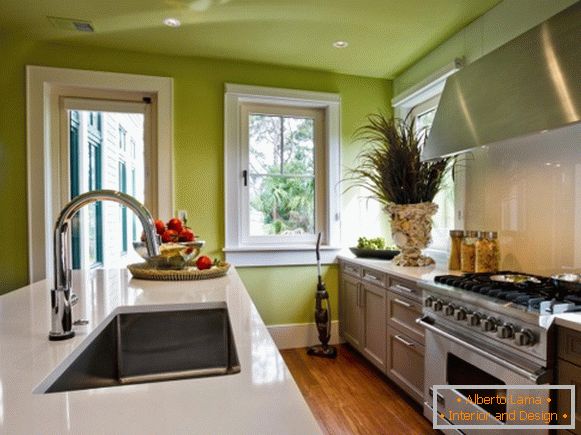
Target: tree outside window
281,175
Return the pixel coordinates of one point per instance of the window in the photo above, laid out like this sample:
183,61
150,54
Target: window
284,197
123,188
443,220
122,139
421,102
94,183
94,163
282,171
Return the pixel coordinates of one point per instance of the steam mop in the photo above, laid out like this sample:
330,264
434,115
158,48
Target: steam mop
322,315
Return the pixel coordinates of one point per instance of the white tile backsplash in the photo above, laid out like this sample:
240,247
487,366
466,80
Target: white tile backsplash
529,190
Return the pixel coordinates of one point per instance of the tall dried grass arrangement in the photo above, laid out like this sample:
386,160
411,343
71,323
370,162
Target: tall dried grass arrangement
389,165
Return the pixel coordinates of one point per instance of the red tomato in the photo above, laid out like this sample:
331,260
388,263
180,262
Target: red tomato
169,236
204,262
175,224
187,235
159,227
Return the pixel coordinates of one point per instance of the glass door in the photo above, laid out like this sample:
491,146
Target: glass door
106,147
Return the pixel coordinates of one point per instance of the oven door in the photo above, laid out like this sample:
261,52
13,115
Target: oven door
451,360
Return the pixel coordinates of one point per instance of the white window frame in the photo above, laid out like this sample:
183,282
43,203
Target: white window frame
248,251
320,185
420,99
44,88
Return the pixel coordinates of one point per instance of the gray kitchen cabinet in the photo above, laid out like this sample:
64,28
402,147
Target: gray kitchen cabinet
377,315
351,311
569,373
402,313
405,363
374,308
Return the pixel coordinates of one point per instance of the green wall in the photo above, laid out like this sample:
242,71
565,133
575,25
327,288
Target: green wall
502,23
282,295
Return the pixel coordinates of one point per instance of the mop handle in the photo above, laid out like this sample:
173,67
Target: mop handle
319,258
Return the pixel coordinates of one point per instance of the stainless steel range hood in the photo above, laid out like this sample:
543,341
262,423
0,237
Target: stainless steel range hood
529,85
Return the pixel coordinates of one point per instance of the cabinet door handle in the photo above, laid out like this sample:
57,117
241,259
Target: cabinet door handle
404,341
371,277
358,295
402,303
403,288
362,296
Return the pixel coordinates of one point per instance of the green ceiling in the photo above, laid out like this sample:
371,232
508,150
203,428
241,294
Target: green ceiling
385,36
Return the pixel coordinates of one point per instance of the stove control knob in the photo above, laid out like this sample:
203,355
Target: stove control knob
449,309
524,337
506,330
460,314
429,302
437,305
473,319
488,324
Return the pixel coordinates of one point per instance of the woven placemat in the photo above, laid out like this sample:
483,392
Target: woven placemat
145,271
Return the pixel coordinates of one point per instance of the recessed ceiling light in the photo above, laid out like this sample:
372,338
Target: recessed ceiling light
172,22
340,44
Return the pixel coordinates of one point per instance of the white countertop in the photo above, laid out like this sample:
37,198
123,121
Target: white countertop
411,273
262,399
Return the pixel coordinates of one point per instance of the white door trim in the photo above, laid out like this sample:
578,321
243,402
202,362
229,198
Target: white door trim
44,86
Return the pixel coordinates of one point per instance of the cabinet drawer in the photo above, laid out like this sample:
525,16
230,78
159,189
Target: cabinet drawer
570,345
351,269
402,313
405,365
406,288
374,277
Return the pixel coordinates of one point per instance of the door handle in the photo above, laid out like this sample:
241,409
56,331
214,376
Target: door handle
402,303
538,376
404,341
371,277
403,288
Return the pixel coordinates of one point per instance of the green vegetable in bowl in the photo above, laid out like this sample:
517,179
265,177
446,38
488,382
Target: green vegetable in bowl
365,243
376,244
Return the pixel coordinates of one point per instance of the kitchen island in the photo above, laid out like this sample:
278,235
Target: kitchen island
262,399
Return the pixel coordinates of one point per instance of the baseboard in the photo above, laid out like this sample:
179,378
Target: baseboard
296,335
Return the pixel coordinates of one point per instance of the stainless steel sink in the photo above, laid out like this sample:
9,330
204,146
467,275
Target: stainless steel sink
154,346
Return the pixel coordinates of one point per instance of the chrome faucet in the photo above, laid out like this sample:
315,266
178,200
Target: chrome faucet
60,295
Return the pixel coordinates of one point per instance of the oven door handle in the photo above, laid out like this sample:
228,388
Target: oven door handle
536,377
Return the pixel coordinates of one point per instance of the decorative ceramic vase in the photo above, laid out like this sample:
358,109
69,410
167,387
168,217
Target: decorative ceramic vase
411,230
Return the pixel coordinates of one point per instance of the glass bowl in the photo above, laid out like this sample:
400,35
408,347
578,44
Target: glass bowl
174,256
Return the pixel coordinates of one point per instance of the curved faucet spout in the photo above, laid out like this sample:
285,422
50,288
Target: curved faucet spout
61,294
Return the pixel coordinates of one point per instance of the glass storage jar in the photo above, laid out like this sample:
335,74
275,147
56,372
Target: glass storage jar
455,249
487,252
468,252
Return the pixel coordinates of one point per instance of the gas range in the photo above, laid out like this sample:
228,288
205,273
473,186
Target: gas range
485,329
511,319
536,293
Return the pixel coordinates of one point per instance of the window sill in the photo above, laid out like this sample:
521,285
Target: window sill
298,255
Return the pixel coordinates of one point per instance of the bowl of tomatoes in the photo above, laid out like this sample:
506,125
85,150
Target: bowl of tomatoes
179,245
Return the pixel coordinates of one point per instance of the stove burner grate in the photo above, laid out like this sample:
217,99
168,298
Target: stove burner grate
528,293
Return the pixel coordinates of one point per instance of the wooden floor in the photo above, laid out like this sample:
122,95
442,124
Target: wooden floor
350,396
